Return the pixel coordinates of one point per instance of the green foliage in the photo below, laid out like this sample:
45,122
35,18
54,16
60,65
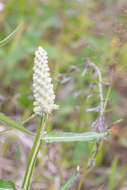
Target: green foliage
81,149
70,137
69,182
113,171
9,37
14,124
6,185
72,32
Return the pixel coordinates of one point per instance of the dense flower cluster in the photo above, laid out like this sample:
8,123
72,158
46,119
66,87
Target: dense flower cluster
42,84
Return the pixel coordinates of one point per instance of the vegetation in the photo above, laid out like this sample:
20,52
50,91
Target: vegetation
86,42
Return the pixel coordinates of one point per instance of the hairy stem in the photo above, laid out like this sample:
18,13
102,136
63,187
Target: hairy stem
33,155
99,85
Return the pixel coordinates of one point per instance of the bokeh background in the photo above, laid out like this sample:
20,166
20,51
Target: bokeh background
72,32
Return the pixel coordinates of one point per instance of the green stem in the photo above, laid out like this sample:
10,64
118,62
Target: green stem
33,155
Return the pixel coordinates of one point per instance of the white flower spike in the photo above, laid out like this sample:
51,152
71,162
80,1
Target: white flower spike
42,84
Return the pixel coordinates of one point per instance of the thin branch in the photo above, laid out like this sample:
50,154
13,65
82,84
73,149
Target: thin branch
90,64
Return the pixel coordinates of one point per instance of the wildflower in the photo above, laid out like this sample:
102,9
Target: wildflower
42,84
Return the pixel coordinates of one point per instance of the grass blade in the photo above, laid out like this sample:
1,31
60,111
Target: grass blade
112,174
69,182
9,37
14,124
6,185
70,137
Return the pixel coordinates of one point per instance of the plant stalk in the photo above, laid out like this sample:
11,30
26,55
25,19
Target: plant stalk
33,155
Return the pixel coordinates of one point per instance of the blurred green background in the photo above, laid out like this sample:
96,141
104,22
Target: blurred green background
72,32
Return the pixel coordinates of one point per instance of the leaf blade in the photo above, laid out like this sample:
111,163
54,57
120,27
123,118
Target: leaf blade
69,182
70,137
9,37
6,185
14,124
112,174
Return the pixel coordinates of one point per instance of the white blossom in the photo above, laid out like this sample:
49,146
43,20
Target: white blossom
42,84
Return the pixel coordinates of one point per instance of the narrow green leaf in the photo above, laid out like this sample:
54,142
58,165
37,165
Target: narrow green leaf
14,124
69,182
6,185
67,137
112,174
9,37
